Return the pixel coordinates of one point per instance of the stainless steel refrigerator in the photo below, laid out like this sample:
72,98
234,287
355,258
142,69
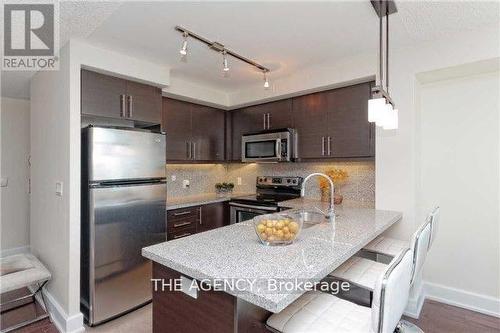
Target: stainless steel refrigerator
123,210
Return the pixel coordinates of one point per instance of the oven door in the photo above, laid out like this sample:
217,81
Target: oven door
243,212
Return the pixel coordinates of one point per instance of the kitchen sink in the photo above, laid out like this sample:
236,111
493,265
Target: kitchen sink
308,217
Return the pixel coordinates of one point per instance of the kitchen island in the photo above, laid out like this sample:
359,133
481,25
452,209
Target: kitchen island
245,273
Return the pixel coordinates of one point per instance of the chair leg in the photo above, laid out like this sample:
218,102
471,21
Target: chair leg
43,301
405,326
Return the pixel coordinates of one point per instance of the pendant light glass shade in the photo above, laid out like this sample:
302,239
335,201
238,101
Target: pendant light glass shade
391,119
376,109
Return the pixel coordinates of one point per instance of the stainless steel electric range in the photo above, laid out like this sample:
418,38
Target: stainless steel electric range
270,190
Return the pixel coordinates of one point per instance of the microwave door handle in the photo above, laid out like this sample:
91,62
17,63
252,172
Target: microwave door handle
278,149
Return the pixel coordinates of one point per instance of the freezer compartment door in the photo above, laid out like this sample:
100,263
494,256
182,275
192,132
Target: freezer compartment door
125,219
119,154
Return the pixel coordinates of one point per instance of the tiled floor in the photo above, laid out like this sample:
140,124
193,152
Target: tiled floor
138,321
435,318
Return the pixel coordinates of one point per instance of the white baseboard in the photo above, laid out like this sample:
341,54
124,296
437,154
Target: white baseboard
464,299
14,250
63,322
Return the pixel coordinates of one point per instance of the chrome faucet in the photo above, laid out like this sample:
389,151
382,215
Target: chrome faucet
330,215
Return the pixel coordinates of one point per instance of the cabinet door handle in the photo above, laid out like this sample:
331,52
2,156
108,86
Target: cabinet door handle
130,106
264,117
182,213
268,121
323,146
329,146
122,105
194,150
201,220
178,225
188,150
182,235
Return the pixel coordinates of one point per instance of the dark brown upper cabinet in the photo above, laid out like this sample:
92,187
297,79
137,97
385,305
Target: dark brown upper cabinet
329,124
176,122
310,122
349,132
268,116
102,95
207,133
108,96
194,132
143,102
334,123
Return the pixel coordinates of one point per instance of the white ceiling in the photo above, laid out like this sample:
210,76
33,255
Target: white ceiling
284,36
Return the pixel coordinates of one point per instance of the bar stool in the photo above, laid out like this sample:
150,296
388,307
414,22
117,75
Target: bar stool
391,246
322,312
364,272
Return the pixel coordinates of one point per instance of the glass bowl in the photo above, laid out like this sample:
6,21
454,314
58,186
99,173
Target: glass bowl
277,229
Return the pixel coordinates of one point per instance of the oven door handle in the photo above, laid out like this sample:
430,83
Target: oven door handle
271,209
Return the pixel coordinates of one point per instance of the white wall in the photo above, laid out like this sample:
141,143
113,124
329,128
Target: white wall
51,232
15,132
459,169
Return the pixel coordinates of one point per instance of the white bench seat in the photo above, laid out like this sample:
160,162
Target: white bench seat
20,271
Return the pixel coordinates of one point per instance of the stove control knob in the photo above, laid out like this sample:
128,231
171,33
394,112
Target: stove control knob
288,181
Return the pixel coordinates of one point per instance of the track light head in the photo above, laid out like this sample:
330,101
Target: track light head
183,50
266,81
224,61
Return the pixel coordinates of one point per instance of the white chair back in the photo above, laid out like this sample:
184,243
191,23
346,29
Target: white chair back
434,225
420,245
391,293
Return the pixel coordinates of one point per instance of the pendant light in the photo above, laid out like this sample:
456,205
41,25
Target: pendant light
266,81
381,108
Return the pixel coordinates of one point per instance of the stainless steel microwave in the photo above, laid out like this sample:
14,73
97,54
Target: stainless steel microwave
269,146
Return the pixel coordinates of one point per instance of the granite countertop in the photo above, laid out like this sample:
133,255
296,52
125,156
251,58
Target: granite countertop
200,199
234,252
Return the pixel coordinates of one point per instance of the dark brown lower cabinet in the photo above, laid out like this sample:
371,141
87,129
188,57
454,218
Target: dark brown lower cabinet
188,221
210,312
212,216
182,222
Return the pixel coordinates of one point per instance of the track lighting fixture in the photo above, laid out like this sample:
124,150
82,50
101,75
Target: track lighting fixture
381,108
266,81
216,46
224,61
183,50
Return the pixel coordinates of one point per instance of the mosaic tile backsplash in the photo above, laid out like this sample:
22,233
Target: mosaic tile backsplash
360,185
